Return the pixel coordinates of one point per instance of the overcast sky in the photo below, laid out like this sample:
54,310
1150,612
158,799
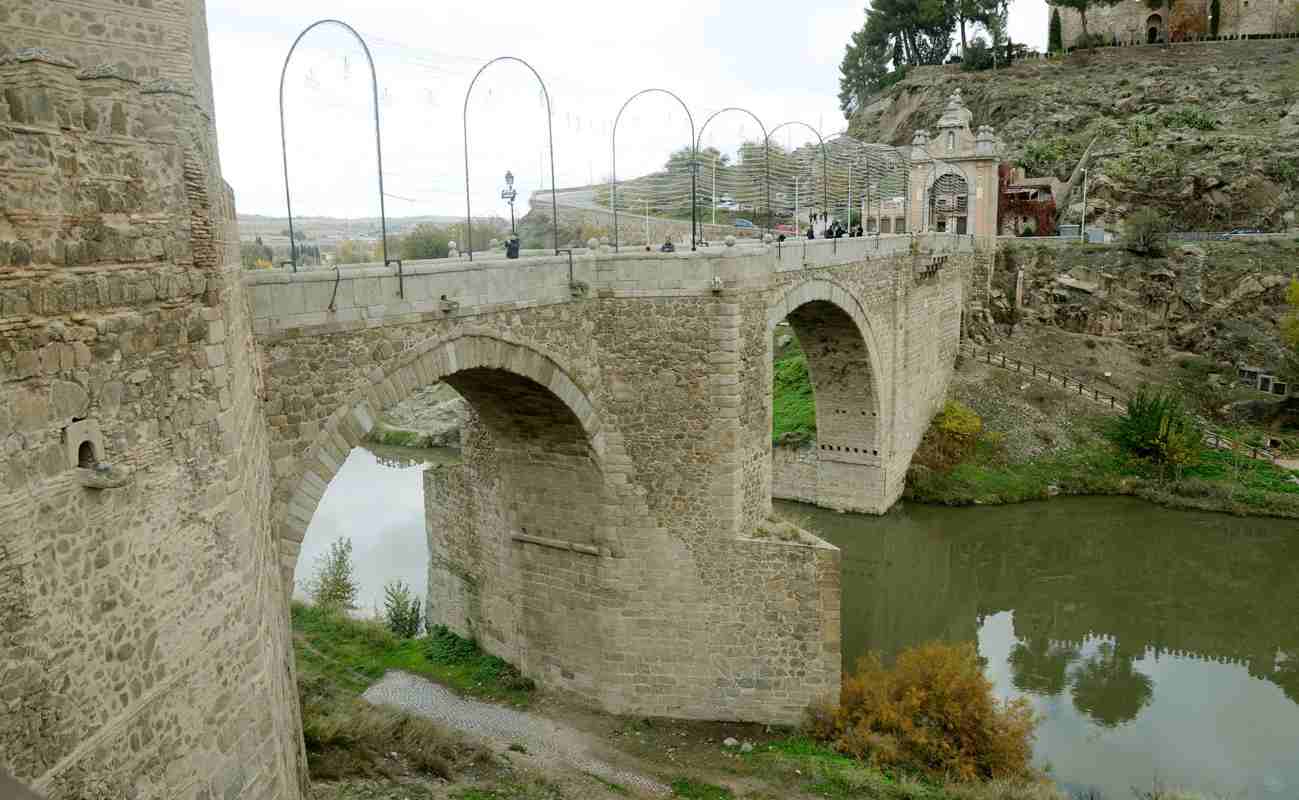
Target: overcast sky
776,59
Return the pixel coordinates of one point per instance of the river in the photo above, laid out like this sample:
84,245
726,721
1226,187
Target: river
377,501
1159,647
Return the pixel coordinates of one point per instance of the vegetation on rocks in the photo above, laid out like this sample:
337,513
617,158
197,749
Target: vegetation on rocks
1204,134
1015,464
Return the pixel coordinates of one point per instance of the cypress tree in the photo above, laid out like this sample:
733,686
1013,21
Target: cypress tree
1215,11
1055,40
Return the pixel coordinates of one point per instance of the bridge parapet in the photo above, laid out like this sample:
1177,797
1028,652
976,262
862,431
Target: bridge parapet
364,295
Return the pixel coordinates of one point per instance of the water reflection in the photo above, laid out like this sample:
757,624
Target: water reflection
1157,645
377,500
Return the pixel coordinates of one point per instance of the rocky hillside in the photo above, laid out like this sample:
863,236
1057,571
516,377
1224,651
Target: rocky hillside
1207,133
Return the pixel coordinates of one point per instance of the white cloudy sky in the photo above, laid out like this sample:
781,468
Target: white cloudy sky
776,59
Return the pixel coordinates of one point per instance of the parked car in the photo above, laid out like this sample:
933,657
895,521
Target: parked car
728,204
1245,230
743,223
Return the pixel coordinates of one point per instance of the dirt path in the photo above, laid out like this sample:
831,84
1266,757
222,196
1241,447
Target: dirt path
554,745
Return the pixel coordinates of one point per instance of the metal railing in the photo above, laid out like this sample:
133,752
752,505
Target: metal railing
1110,402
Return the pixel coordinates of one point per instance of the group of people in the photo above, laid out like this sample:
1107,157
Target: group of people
830,229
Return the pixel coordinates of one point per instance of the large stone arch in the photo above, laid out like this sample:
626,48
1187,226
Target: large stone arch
851,391
525,401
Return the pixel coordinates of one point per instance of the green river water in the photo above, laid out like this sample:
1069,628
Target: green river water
1159,647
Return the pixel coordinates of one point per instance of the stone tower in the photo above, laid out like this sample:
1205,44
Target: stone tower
143,635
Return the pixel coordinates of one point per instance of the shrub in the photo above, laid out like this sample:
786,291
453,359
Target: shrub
1146,232
933,712
1157,427
332,584
951,437
401,610
447,648
1190,117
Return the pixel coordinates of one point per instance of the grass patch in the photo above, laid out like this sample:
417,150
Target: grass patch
356,653
698,790
793,407
346,737
533,790
810,767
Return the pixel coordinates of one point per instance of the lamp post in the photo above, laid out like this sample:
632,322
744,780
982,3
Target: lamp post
509,194
1082,229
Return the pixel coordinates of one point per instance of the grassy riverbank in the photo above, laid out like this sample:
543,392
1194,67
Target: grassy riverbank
1038,441
356,750
1220,481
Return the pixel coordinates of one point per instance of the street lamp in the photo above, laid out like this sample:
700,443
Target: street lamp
509,194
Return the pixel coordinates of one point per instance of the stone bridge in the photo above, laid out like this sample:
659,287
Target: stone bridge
168,423
603,528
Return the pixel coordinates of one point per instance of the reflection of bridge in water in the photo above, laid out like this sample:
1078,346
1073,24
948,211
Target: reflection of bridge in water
1089,595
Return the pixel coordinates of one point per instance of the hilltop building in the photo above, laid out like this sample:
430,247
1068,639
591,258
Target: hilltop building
1132,21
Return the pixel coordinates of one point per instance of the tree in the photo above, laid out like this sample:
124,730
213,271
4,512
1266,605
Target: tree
1108,688
1055,39
401,609
864,71
351,251
897,34
332,584
424,241
1082,7
1215,14
1146,232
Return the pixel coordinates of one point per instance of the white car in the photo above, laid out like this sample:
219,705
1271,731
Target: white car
728,204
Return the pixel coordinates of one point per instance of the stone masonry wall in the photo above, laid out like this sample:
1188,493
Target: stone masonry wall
144,649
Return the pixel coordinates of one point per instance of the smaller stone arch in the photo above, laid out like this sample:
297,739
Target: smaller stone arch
473,361
849,383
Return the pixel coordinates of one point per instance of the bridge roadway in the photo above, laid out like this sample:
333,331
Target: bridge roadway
605,529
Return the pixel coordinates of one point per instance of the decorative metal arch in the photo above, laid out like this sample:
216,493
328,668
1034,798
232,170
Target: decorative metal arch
875,166
550,143
825,176
378,147
766,152
694,165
